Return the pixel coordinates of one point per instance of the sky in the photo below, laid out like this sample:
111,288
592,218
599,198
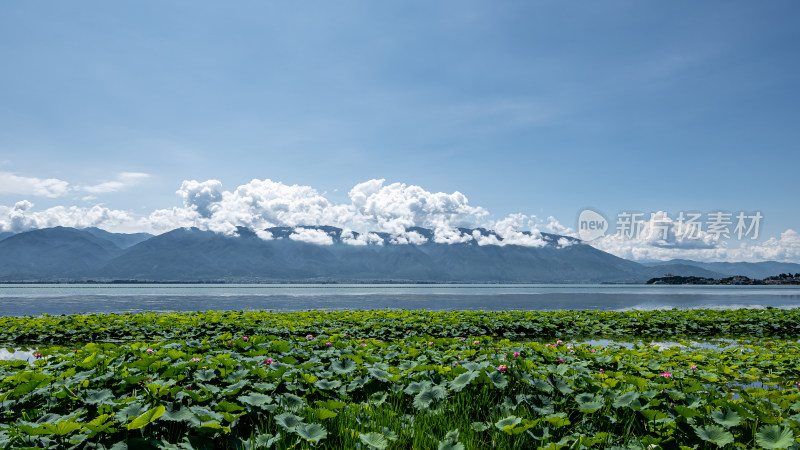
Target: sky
147,115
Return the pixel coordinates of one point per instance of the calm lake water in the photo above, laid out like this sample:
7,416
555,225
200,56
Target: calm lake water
31,299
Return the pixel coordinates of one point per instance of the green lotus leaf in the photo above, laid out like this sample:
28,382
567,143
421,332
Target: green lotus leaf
463,380
374,440
714,434
480,426
132,410
328,384
331,404
449,444
324,414
205,375
344,366
498,380
288,421
98,397
626,399
429,395
727,418
509,421
312,432
147,417
267,440
773,436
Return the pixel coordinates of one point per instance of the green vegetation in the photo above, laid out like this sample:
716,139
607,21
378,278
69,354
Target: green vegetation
782,279
402,379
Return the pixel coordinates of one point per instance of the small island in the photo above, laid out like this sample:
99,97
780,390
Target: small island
784,278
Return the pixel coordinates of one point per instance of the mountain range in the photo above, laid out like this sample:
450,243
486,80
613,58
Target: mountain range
69,254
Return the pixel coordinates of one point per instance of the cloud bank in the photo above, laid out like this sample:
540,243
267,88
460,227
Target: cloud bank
374,206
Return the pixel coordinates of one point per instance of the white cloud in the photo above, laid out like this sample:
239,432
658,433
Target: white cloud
663,239
350,238
21,217
373,206
123,180
446,235
395,207
408,237
489,239
554,226
564,242
44,187
312,236
200,196
508,228
53,187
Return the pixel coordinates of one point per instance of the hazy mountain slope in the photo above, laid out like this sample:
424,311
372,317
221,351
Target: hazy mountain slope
121,240
683,270
197,255
53,253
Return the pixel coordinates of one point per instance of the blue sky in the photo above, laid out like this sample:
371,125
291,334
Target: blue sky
540,108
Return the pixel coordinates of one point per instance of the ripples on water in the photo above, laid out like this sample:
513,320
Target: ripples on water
75,298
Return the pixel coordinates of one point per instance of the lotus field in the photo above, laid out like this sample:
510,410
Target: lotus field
403,379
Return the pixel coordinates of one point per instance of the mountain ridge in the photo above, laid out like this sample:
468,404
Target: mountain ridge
190,254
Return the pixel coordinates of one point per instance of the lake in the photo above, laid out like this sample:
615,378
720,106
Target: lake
34,299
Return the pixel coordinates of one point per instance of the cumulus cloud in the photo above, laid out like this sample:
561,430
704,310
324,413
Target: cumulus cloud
661,238
395,207
786,248
408,237
374,206
658,237
44,187
508,229
22,217
312,236
447,235
349,237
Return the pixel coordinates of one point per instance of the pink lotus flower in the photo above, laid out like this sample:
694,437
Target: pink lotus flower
309,337
456,363
328,344
347,335
430,343
560,360
593,350
37,355
195,360
666,374
693,367
502,367
245,338
363,345
268,361
476,342
150,351
602,371
515,354
559,341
